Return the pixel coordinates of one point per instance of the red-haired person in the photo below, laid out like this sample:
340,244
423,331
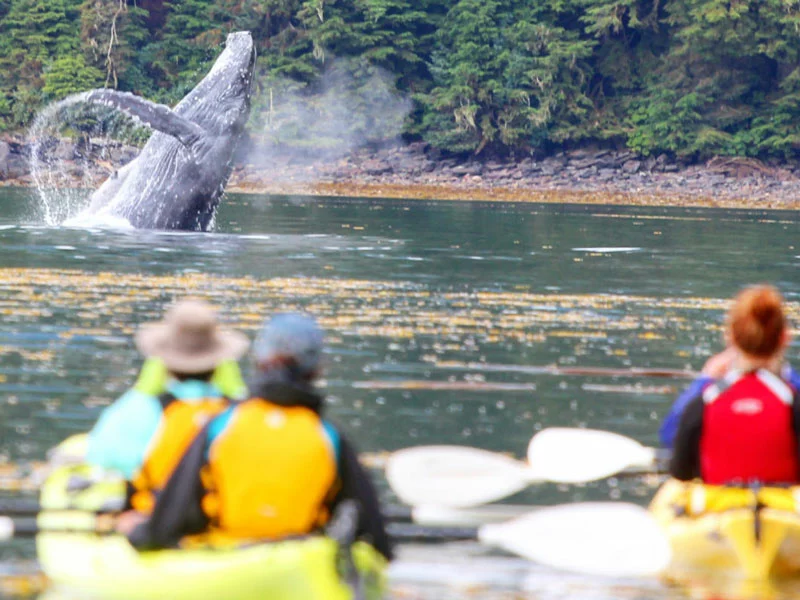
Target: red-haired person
743,427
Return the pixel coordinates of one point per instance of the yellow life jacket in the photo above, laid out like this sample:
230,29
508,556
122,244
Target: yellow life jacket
180,423
270,472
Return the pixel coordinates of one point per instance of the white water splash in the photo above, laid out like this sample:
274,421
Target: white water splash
65,173
608,249
54,182
97,221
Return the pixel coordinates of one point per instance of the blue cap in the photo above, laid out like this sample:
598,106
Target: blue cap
290,336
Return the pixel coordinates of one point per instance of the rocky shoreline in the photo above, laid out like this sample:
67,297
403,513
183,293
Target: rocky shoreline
588,175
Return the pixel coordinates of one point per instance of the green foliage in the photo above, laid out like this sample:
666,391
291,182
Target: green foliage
506,77
690,77
35,33
68,75
467,67
189,41
112,33
666,121
735,58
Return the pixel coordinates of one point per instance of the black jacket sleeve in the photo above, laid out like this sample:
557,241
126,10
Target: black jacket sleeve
356,485
178,510
796,423
685,463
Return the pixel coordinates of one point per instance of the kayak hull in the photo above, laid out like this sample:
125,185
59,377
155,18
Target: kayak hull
83,564
739,542
108,568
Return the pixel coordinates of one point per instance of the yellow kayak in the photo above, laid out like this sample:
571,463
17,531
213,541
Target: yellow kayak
82,563
107,567
730,532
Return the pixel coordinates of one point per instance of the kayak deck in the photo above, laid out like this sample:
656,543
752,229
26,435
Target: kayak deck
738,542
84,564
107,567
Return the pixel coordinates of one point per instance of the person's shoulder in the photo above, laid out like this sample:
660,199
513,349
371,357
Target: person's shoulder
334,436
791,375
221,421
134,401
719,364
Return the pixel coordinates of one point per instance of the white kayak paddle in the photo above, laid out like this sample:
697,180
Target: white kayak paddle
611,539
459,476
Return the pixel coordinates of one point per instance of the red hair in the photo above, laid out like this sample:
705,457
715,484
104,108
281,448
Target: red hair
757,322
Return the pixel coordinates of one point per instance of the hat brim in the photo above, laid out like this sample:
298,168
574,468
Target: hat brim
153,340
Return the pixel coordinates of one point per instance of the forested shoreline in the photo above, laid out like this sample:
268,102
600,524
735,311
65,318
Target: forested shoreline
489,78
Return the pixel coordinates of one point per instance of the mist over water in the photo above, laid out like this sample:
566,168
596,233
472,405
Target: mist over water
352,105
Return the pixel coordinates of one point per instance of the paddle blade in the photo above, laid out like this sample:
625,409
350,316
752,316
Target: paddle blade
608,539
566,455
453,475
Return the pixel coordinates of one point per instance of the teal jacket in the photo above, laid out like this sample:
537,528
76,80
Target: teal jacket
120,438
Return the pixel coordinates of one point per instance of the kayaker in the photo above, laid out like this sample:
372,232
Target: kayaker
714,368
143,434
743,426
271,466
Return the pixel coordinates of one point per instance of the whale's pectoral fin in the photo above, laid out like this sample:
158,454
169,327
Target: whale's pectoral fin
159,117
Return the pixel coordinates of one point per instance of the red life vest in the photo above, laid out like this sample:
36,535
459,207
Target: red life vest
748,430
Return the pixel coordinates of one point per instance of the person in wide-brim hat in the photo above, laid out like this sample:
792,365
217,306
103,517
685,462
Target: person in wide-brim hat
190,340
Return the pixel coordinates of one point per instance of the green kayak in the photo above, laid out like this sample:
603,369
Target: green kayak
85,564
107,567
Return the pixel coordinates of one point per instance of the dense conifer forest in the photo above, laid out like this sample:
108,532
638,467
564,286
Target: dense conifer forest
690,78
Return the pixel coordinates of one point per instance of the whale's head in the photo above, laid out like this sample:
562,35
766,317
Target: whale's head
221,101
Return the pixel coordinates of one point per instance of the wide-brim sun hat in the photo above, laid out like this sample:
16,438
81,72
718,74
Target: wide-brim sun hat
189,339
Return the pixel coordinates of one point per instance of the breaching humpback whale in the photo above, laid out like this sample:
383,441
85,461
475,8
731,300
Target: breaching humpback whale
178,178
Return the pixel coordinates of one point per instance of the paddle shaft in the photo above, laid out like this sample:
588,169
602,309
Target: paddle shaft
28,477
15,527
24,527
27,507
392,513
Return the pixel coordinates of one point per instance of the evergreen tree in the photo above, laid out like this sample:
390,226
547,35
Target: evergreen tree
690,77
631,38
508,76
467,71
189,42
381,31
283,42
733,64
549,66
69,75
112,34
35,34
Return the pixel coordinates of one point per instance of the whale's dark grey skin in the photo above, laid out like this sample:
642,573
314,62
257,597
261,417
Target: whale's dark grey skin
177,180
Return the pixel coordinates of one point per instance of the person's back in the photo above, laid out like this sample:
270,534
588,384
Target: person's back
743,427
143,435
748,430
273,462
186,407
271,466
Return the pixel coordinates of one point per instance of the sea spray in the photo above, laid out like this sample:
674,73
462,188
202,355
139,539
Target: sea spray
353,104
65,171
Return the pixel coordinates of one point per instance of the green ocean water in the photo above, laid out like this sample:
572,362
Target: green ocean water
431,308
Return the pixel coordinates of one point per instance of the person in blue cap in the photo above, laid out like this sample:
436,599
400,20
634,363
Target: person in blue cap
271,466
